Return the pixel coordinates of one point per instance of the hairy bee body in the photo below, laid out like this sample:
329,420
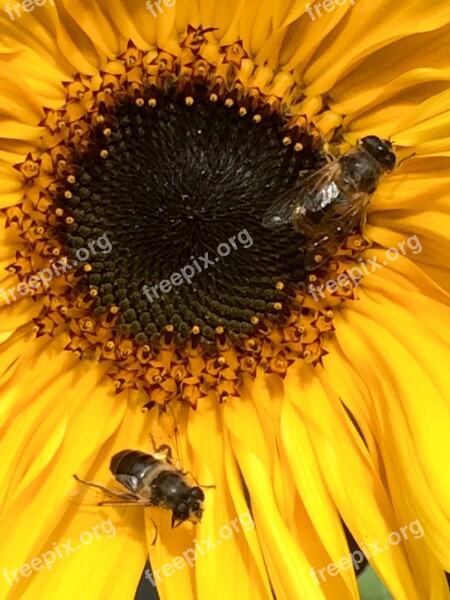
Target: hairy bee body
155,480
327,205
152,480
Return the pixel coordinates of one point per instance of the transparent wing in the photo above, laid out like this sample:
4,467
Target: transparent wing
280,212
90,493
308,194
324,248
344,220
320,189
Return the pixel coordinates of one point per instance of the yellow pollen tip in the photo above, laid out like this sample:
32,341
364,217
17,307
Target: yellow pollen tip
242,111
140,102
229,102
93,292
68,195
109,345
219,330
189,100
254,320
107,132
213,97
195,330
71,179
286,141
318,258
56,251
100,119
104,154
70,220
279,285
58,212
278,306
114,310
169,328
152,102
298,147
257,119
87,268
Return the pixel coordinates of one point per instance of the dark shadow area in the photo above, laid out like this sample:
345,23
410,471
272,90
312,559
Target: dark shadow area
146,591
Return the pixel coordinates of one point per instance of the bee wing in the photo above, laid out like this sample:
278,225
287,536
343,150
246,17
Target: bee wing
89,493
318,190
344,221
323,247
87,496
306,195
280,212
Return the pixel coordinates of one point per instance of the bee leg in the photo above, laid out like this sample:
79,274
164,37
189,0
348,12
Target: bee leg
153,542
167,450
127,499
163,448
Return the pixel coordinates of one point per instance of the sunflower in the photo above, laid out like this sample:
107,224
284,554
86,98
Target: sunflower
136,141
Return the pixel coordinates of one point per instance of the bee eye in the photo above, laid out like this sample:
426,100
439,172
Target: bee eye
182,511
390,160
380,149
197,493
374,144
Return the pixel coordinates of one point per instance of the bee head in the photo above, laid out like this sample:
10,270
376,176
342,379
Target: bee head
381,150
190,508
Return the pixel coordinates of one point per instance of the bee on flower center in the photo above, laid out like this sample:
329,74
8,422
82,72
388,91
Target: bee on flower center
327,205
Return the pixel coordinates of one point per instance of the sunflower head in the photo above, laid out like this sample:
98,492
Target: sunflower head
136,180
194,144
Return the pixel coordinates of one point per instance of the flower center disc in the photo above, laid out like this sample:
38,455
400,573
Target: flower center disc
173,161
181,191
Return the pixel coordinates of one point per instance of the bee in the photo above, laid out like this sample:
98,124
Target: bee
327,205
152,480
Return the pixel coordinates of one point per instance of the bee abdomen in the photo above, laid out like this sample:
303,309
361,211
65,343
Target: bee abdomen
132,462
